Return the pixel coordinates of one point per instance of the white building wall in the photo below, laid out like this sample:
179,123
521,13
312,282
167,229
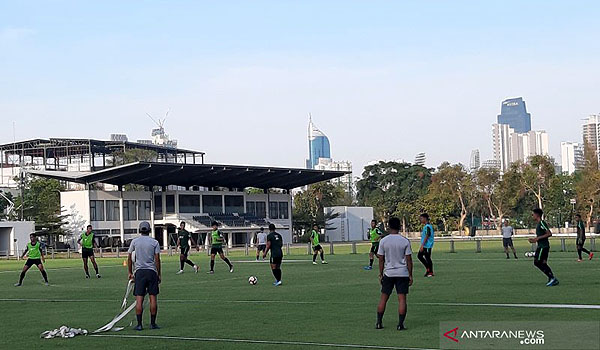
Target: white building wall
351,224
14,230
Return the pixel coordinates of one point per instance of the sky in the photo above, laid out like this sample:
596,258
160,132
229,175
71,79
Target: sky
383,79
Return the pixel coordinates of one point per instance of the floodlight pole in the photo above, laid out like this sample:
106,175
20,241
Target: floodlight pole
121,212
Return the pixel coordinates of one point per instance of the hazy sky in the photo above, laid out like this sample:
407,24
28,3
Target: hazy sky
383,79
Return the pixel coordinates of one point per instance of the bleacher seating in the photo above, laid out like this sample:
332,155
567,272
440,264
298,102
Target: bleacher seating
203,220
254,220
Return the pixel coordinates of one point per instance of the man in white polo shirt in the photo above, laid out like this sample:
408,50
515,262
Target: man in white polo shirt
507,233
395,270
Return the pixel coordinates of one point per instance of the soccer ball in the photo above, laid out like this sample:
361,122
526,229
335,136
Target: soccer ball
529,254
252,280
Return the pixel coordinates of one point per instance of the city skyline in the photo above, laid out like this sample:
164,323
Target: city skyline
386,81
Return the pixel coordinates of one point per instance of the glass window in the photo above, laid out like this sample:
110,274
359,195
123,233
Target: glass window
144,210
189,203
170,199
274,210
212,204
97,210
234,204
157,204
251,208
129,210
261,210
283,210
112,211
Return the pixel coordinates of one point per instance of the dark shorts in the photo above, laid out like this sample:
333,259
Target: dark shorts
87,252
541,254
185,251
261,247
31,262
276,260
216,250
374,247
317,248
146,282
388,284
507,242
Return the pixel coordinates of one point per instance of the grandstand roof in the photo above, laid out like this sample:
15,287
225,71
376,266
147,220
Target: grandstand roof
205,175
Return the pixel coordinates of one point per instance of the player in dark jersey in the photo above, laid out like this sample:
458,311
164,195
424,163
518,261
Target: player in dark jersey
35,256
274,244
581,239
216,241
183,243
540,260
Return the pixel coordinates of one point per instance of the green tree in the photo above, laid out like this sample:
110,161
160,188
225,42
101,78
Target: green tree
536,176
393,188
133,155
453,183
499,193
309,204
587,185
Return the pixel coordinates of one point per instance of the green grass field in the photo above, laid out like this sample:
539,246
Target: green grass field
332,303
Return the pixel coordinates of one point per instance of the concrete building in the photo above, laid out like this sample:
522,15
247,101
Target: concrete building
510,146
501,139
475,161
420,159
14,236
350,223
344,181
571,157
591,133
318,145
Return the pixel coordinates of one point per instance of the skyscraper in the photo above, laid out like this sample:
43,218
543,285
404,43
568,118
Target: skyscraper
514,113
475,160
591,133
510,146
571,157
318,145
420,159
501,138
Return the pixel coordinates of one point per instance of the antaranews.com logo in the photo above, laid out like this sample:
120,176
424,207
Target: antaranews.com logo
520,335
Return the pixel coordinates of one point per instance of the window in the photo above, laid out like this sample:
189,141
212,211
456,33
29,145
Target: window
261,210
189,203
97,210
212,204
144,210
234,204
129,210
251,208
170,199
158,203
283,210
274,210
101,232
112,211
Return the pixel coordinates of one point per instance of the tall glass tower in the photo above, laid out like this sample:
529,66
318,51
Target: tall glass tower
318,145
514,113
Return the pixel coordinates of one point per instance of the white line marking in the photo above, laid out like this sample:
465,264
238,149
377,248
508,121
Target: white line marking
252,341
176,301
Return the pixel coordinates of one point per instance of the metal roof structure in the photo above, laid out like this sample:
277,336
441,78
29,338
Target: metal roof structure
204,175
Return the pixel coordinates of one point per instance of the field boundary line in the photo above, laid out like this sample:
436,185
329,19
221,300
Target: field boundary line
253,341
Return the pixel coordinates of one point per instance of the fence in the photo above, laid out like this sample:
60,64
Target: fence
477,244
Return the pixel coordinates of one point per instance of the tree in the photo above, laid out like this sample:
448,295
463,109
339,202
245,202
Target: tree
500,193
454,183
536,176
131,156
587,184
41,203
309,204
393,188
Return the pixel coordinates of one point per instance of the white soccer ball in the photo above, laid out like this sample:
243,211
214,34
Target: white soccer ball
252,280
529,254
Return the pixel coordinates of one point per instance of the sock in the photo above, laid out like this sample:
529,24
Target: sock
96,268
274,271
87,272
21,277
228,263
507,255
181,262
277,273
314,257
548,271
45,276
139,319
153,319
379,317
212,265
189,262
401,319
322,259
579,253
371,262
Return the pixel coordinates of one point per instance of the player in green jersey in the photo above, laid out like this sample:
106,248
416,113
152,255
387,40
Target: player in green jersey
183,238
581,239
216,241
375,236
87,250
274,244
35,256
314,239
540,260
